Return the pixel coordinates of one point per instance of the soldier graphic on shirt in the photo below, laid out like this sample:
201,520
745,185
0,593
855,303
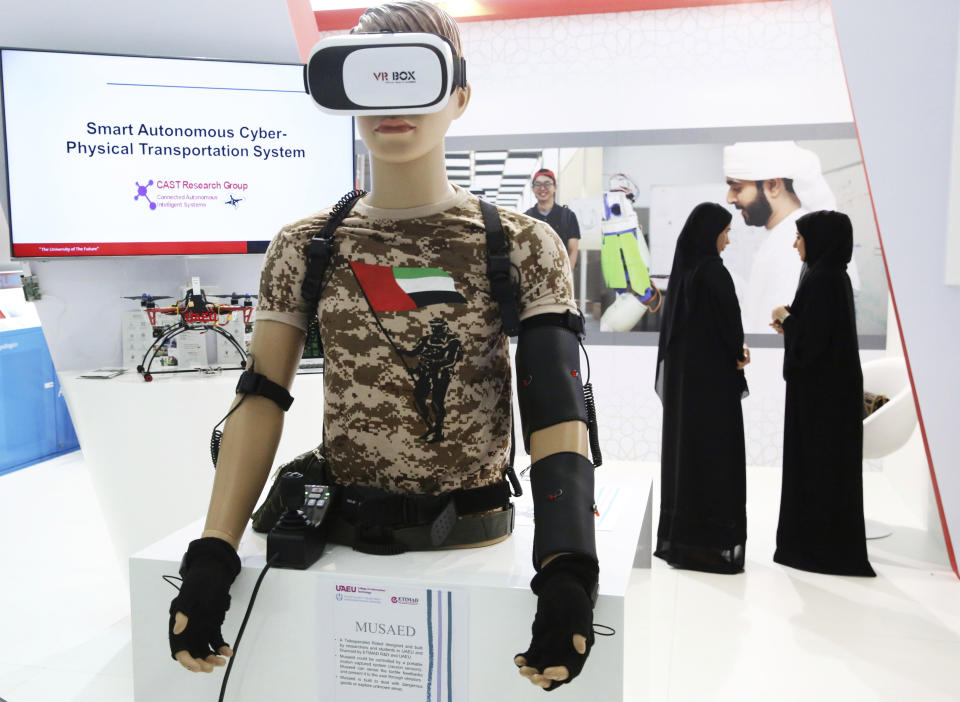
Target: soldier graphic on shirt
437,354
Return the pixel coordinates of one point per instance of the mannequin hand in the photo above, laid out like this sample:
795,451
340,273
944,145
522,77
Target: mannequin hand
198,665
563,626
557,673
777,326
746,358
197,613
779,313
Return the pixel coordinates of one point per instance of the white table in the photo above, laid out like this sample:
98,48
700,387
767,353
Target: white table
289,628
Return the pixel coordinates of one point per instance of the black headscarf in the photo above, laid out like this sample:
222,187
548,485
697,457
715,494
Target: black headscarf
696,245
828,248
827,238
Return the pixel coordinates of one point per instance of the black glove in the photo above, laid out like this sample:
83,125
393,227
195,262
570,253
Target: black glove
566,590
208,569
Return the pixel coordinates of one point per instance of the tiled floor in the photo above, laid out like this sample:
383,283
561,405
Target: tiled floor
769,634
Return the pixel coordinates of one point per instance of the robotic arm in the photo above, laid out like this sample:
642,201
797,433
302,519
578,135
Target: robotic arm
553,417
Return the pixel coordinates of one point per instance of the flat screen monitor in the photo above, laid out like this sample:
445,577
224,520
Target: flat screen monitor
123,155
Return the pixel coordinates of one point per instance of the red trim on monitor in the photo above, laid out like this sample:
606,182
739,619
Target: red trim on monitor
896,313
131,248
487,10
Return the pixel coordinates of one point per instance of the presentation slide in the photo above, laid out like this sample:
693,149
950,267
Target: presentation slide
111,155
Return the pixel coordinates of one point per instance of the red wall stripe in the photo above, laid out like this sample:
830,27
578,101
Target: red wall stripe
896,313
331,20
304,24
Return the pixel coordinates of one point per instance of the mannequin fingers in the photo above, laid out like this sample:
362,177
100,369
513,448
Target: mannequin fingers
225,651
194,665
179,622
538,680
528,672
580,644
558,673
519,661
215,660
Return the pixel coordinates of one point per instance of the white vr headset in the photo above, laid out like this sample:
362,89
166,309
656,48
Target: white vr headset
383,73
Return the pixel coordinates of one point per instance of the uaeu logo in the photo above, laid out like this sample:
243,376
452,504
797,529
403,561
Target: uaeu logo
395,77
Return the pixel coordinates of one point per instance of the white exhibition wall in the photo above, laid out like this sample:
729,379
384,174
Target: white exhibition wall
901,63
695,67
669,69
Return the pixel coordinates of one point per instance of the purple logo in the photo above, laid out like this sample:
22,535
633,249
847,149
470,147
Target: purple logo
142,192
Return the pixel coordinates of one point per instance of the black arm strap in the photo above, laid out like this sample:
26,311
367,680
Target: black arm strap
498,269
253,383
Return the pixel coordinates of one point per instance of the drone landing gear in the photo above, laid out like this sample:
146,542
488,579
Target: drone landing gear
174,331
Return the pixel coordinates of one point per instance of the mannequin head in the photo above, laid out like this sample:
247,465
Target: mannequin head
402,139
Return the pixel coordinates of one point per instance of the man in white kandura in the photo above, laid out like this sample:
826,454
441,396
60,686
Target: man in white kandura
774,183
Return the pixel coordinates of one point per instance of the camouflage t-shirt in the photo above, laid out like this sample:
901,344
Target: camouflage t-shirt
417,386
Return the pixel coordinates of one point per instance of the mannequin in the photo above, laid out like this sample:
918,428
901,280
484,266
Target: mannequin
408,172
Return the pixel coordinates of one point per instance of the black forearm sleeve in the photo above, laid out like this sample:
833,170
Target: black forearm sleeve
563,506
549,388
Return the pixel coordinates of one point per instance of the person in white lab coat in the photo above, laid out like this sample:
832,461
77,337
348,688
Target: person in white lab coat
772,184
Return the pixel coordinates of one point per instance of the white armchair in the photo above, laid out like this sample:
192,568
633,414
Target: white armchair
889,428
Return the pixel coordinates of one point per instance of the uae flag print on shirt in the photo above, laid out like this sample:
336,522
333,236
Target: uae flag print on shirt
396,289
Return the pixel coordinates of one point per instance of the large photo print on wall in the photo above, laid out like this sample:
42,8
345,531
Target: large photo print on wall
629,203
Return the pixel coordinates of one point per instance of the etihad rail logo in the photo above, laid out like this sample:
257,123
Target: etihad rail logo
405,600
395,77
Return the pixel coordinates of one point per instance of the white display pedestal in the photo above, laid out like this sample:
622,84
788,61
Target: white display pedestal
147,445
289,631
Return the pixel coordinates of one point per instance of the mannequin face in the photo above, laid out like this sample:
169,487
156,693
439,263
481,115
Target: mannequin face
406,138
723,239
798,244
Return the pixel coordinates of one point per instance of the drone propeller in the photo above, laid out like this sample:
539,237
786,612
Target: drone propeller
236,296
146,297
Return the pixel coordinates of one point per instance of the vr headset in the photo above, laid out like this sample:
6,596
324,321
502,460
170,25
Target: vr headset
384,73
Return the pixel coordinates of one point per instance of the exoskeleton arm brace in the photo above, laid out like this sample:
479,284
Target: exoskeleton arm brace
550,391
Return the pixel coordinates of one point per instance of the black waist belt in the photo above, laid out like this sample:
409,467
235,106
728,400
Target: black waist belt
374,521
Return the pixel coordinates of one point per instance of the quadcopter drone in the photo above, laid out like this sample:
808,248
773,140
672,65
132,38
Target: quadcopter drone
195,313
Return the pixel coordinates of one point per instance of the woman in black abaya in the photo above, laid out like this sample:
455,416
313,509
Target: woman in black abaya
821,501
703,522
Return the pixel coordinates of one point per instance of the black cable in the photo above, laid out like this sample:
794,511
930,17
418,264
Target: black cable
243,625
593,432
611,631
216,436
